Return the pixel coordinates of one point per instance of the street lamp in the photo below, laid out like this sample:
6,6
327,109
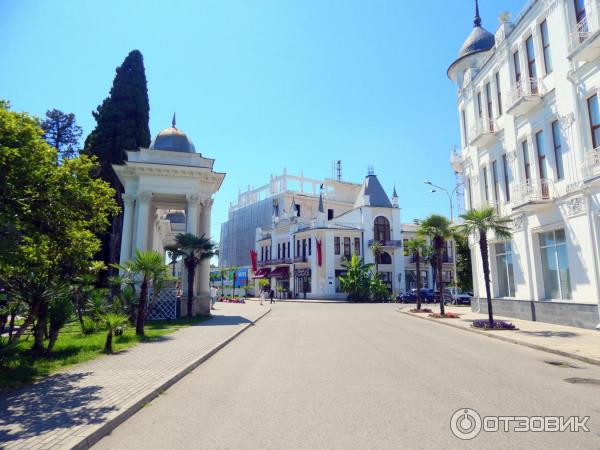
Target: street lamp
450,195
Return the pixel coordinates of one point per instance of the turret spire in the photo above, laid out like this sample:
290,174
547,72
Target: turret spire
174,122
477,20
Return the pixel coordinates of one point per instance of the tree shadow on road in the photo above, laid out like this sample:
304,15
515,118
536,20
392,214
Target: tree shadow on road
57,402
217,320
563,334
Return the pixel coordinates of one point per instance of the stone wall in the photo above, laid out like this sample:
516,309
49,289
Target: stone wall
582,315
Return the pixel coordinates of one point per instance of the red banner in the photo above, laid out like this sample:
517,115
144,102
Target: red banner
319,253
253,259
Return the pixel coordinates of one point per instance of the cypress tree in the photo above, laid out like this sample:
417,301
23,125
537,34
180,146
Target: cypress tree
121,124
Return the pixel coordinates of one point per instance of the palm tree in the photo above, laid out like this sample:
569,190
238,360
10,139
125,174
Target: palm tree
233,270
222,272
478,222
438,229
377,250
150,267
356,282
112,320
416,247
193,250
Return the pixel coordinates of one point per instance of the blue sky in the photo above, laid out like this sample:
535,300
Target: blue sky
262,85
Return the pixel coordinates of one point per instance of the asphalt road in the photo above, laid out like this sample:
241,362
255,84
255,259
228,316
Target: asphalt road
361,376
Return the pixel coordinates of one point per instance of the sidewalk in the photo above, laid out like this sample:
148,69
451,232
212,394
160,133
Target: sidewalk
577,343
76,407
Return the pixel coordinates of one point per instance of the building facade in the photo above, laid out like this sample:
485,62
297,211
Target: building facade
262,206
302,256
530,126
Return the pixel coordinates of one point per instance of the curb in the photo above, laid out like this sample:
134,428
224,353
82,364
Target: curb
88,441
511,340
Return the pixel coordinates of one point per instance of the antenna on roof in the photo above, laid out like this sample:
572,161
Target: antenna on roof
174,122
338,168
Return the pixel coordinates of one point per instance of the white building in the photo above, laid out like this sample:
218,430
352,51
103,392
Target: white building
301,253
530,124
159,181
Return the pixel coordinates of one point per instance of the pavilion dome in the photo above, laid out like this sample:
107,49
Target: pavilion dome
172,139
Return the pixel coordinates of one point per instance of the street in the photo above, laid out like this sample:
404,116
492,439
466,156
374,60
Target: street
361,376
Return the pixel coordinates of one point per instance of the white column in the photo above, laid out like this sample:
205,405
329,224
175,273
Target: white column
191,213
128,210
204,266
142,210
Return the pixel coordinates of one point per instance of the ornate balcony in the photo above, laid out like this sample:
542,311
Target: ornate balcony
532,194
301,259
591,164
388,243
525,95
584,44
483,132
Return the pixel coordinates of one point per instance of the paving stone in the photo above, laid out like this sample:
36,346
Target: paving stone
58,411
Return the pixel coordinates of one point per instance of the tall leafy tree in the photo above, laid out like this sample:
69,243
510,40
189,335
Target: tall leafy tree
464,270
121,124
49,217
62,132
478,223
438,229
192,249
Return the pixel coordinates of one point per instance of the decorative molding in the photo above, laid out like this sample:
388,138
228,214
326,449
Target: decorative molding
566,121
475,179
144,196
574,206
511,156
518,222
128,199
207,202
192,199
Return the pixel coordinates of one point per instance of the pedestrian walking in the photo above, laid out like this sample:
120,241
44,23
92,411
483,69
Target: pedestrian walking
213,296
271,295
262,296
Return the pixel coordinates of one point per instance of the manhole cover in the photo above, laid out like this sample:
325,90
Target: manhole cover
583,381
563,364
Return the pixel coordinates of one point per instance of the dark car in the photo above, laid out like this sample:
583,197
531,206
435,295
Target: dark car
411,296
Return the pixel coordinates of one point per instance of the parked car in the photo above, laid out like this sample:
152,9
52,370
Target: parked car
411,296
460,297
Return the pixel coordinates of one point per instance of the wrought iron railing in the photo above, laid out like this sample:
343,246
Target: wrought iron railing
591,163
483,126
526,87
386,243
579,35
532,191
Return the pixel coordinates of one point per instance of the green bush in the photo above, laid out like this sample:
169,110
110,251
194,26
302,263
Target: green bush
89,326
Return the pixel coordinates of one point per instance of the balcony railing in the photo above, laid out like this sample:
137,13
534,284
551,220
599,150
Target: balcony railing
299,259
591,163
584,44
483,132
387,243
525,95
533,192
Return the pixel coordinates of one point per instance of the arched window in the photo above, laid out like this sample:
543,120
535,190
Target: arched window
382,229
384,258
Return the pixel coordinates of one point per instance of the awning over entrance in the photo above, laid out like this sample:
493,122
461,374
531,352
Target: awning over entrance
281,272
262,273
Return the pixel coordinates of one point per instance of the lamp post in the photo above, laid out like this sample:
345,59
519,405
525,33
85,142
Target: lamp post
450,195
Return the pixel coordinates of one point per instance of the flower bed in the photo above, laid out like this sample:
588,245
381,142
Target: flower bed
231,300
421,311
448,315
496,325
